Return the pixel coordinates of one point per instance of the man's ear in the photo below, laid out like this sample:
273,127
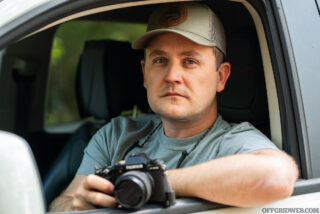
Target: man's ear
143,72
224,71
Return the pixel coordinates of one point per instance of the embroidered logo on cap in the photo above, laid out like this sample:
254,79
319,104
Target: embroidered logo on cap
173,16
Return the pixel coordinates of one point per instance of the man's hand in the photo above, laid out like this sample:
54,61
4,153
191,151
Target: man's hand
85,192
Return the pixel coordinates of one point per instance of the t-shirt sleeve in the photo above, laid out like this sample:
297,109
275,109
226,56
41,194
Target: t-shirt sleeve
244,138
95,154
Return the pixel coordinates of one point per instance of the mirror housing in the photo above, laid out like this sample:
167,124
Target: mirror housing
21,189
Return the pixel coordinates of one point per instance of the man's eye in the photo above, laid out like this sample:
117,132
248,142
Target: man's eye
190,62
159,60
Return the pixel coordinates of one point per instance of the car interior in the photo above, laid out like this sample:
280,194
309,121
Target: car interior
109,81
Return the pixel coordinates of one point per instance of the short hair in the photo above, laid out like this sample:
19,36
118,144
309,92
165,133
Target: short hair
219,57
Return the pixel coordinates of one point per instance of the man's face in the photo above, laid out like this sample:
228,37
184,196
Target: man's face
181,78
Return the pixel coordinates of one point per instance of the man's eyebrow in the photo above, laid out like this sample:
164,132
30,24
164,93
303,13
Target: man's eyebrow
183,53
190,53
156,53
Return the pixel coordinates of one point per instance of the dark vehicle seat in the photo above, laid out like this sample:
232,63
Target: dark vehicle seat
108,81
244,97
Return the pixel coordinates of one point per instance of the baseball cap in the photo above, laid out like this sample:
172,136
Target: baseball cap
194,21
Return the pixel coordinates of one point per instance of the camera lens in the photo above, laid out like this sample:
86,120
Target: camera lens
133,189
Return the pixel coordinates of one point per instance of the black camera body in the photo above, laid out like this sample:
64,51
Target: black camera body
139,180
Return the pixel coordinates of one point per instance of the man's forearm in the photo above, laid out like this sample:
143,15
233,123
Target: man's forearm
60,204
241,180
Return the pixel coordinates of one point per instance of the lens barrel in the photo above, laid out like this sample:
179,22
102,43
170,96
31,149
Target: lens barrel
133,189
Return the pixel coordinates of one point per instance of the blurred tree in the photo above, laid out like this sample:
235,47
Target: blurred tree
67,46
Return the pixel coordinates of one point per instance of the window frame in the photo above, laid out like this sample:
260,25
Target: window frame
280,53
61,11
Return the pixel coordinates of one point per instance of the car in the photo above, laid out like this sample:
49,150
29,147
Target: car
66,69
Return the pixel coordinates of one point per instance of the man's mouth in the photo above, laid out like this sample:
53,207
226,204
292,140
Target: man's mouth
172,94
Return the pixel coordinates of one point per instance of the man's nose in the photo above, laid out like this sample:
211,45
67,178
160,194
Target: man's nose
173,74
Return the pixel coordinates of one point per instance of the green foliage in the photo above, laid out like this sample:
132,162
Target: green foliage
67,46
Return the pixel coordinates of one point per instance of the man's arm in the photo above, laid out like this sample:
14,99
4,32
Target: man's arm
243,180
85,192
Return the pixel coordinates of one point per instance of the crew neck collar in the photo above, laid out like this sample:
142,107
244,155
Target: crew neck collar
181,144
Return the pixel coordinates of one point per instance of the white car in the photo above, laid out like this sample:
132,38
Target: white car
66,69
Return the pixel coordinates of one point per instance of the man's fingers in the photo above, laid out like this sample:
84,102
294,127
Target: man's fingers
94,193
101,199
95,182
87,199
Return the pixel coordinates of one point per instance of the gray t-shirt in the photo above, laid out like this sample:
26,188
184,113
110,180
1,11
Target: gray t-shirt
114,140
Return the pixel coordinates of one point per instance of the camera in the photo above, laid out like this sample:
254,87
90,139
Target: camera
138,180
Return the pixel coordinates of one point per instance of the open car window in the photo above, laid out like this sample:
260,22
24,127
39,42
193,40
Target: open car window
68,44
39,61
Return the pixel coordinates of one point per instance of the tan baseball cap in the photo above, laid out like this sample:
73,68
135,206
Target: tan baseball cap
194,21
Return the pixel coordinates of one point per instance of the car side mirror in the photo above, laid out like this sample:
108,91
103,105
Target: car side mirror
20,185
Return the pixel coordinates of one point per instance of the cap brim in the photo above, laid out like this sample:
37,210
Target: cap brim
142,41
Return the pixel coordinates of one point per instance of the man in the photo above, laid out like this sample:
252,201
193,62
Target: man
208,158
